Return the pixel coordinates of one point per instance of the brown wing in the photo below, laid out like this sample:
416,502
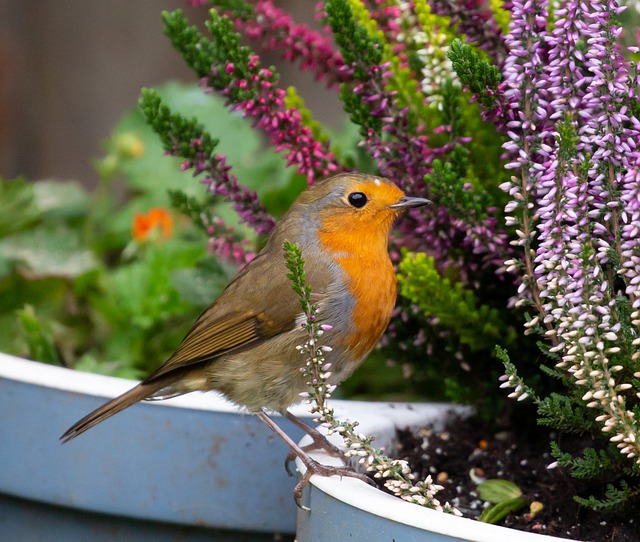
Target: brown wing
257,305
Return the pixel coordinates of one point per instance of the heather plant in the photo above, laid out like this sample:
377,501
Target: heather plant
433,144
520,123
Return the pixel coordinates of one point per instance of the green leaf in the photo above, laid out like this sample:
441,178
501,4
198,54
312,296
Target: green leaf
17,206
61,200
477,325
497,512
203,283
497,490
480,76
39,341
48,250
140,294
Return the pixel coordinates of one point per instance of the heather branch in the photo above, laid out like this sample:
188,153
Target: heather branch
574,148
397,473
526,43
274,30
186,138
236,73
476,23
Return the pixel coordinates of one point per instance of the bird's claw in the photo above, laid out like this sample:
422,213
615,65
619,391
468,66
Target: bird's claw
319,443
313,467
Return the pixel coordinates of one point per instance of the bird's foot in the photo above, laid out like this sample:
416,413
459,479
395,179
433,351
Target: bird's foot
314,467
320,442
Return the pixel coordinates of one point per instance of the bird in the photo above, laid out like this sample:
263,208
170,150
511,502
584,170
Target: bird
244,344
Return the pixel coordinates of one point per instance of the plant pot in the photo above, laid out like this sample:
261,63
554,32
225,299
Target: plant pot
190,468
349,509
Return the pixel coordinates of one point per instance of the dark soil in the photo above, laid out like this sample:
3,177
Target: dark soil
448,456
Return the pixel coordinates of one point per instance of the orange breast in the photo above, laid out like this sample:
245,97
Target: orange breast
360,248
373,285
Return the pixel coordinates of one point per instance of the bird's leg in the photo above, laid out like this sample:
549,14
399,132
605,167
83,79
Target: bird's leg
313,466
320,441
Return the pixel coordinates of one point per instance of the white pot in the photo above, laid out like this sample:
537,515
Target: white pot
349,509
158,471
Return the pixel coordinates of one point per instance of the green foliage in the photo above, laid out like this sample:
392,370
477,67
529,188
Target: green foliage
614,499
359,48
477,326
497,512
55,250
220,60
481,77
237,8
483,165
449,187
17,206
567,139
592,464
498,490
505,497
176,131
197,51
297,277
198,211
146,308
565,413
39,340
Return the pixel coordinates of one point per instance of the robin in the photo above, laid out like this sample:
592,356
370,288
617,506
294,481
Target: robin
244,344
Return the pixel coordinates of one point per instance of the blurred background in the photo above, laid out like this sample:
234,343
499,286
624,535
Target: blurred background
69,69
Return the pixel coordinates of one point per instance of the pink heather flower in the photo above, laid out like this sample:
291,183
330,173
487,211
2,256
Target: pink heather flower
222,183
257,96
223,243
276,30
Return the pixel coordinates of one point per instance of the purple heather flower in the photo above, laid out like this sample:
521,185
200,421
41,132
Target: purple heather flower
476,21
223,243
573,148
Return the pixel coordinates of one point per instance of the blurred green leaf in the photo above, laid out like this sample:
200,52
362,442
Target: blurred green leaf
61,200
92,364
47,250
39,341
278,200
203,283
144,312
140,293
17,206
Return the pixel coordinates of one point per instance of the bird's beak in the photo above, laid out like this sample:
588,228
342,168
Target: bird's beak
409,203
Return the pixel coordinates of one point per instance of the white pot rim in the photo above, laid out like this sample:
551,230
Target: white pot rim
70,380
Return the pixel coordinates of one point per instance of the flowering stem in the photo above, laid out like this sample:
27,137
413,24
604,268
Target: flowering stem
397,473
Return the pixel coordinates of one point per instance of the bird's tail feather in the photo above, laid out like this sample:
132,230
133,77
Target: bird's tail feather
138,393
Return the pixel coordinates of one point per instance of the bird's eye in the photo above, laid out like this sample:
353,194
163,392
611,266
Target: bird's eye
357,199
